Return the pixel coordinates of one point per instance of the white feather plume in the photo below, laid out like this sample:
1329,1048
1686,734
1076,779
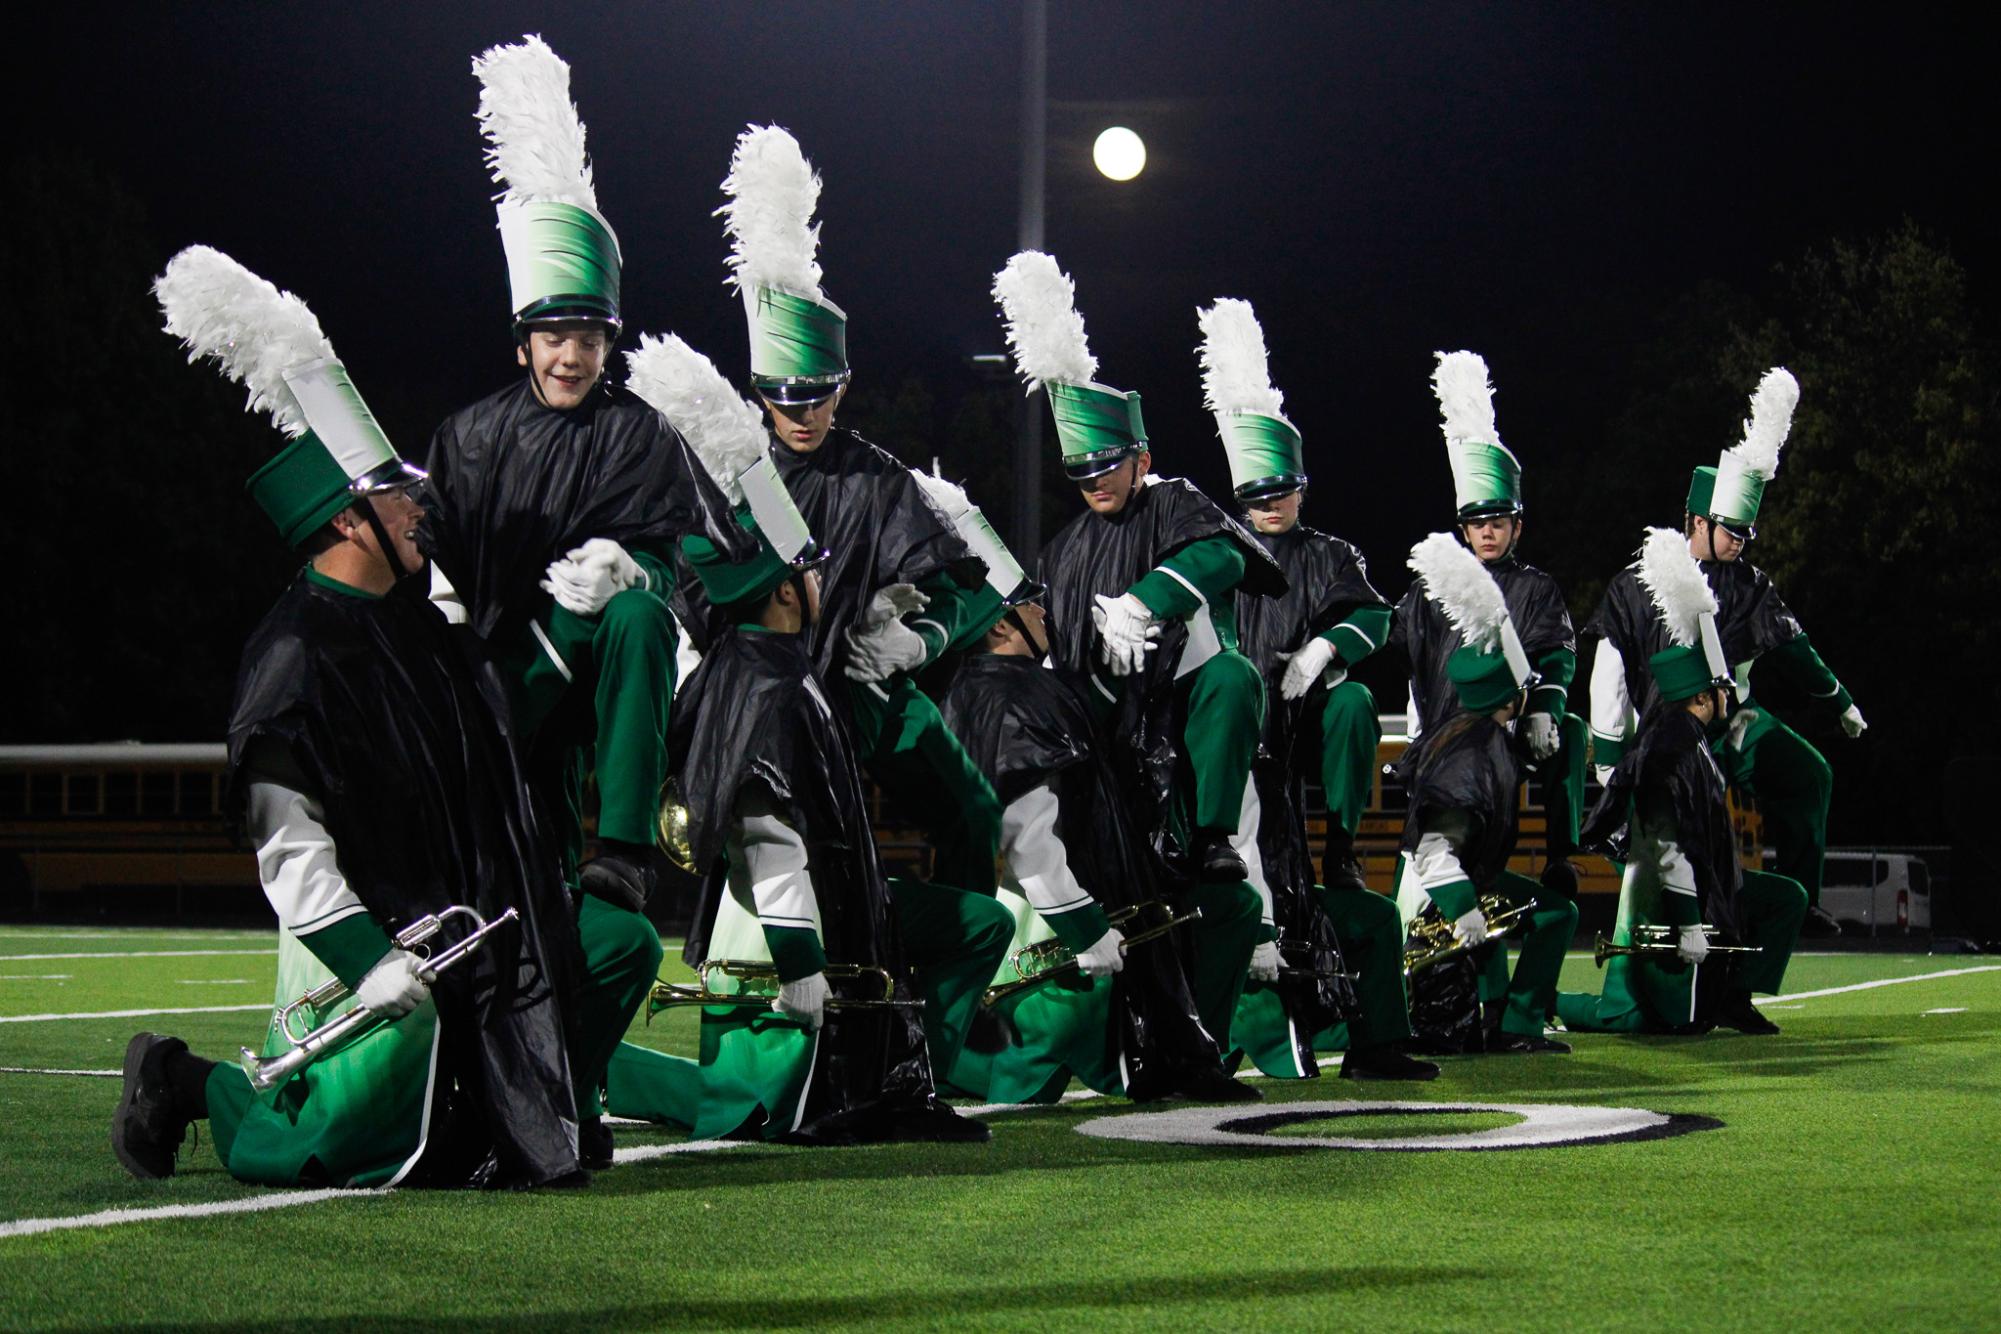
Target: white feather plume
535,141
725,432
1772,404
1236,376
1465,398
1038,301
948,498
251,330
772,191
1455,579
1674,581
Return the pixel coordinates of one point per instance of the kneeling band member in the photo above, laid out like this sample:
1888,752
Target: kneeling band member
1462,776
1666,816
378,788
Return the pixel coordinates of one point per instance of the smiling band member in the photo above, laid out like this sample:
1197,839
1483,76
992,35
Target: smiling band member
556,505
1142,607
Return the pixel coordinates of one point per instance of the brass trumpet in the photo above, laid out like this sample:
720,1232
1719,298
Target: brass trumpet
1052,959
1652,941
666,995
1434,934
670,828
268,1072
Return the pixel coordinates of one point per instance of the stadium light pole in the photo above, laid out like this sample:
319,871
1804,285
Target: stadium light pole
1034,134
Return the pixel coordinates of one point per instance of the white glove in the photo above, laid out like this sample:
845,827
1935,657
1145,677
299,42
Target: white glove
1470,930
1128,631
392,988
1693,947
588,577
1542,735
893,603
1303,667
1851,722
804,1000
1107,956
880,653
1264,962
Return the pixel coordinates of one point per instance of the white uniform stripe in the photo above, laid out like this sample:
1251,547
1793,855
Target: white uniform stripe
542,638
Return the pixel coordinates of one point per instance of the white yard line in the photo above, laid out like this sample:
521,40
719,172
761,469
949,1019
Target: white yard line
135,933
1879,982
138,954
28,1227
127,1014
30,1070
640,1153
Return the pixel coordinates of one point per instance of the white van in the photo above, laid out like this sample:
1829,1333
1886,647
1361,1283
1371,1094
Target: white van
1875,893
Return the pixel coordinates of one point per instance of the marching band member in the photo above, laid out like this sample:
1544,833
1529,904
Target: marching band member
377,787
1487,490
1461,776
1070,852
1303,642
1142,595
899,585
555,506
1763,757
778,823
1666,797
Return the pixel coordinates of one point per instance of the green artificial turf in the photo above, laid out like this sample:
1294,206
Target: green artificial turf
1852,1183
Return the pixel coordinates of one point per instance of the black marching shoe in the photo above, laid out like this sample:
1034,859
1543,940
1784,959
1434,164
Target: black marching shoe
1739,1013
622,874
1216,862
1559,877
1215,1086
1384,1061
593,1144
148,1127
1340,870
1819,924
1523,1044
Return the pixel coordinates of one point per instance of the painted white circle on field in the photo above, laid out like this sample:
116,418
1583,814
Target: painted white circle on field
1542,1126
1119,153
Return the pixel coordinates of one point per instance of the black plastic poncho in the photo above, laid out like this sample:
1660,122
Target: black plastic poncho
1468,767
1420,629
372,709
870,514
1095,554
754,712
1751,620
1024,727
1670,782
515,485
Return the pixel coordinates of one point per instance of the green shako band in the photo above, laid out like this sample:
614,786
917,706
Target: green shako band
1701,488
1265,453
726,581
562,262
1681,672
1488,479
300,488
1482,679
795,338
1094,420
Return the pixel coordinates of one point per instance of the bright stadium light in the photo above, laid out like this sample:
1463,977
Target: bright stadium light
1119,154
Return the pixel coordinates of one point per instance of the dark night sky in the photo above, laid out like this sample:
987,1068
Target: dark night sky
1528,180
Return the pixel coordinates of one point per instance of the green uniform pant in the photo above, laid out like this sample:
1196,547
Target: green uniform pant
1529,992
756,1062
621,959
1225,714
1792,784
954,942
624,658
926,773
1645,995
1562,779
1349,733
1220,948
1372,940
